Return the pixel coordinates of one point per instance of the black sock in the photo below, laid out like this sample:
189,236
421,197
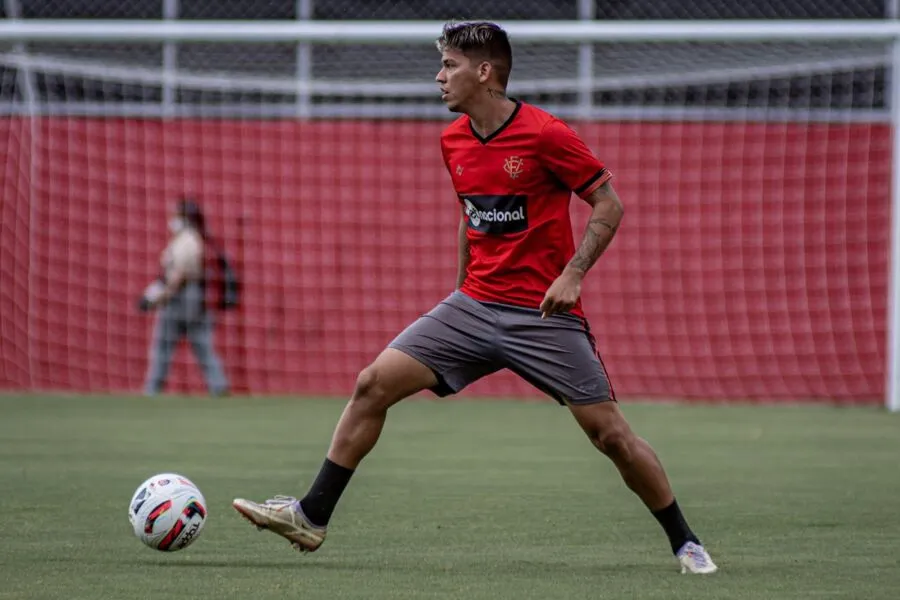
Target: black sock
326,490
675,526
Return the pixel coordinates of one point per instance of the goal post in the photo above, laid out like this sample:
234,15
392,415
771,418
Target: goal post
760,260
356,32
892,367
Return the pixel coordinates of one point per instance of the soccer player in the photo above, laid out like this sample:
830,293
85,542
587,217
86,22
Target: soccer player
517,304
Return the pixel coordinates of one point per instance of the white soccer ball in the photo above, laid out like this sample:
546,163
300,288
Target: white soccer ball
167,512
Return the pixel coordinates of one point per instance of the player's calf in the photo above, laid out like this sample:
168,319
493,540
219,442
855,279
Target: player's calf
610,433
362,420
392,377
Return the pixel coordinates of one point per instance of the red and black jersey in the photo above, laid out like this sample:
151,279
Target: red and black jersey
515,186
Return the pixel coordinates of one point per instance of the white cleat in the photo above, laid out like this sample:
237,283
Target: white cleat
695,559
280,516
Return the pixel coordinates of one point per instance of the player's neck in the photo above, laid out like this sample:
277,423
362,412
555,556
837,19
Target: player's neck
490,114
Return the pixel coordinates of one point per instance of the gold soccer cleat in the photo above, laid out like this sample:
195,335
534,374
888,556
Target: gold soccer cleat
282,515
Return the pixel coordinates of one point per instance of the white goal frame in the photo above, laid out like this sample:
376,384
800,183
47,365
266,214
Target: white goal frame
583,33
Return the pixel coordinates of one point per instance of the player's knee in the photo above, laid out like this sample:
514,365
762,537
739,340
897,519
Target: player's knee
370,392
615,441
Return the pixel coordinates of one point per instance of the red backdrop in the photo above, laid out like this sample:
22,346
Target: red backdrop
751,263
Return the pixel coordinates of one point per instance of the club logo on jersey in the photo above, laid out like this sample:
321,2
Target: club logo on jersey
513,165
496,215
459,169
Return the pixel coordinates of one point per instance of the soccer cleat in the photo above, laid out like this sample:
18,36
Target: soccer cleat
695,559
282,515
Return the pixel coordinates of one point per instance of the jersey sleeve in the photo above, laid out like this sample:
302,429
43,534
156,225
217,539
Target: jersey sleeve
569,158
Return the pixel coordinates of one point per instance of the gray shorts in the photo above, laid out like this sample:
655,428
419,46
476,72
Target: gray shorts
462,340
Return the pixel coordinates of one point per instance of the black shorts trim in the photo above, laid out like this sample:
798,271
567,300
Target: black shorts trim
593,342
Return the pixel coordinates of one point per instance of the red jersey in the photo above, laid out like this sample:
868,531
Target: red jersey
515,186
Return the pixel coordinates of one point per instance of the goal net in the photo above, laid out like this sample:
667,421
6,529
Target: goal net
752,261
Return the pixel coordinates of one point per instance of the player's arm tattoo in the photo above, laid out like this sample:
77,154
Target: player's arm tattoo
463,253
604,222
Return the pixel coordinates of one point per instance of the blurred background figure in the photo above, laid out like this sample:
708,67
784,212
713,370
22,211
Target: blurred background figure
180,297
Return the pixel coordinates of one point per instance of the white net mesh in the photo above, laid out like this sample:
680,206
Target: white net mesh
625,78
756,175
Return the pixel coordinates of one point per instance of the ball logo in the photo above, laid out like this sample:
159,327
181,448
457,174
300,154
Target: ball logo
189,535
139,500
186,527
193,507
155,514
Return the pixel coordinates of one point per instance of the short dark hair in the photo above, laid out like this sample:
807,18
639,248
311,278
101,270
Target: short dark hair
481,40
189,210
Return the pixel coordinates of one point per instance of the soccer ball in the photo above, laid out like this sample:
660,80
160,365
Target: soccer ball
167,512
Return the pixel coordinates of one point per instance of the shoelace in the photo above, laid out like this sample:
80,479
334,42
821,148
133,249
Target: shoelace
280,499
697,555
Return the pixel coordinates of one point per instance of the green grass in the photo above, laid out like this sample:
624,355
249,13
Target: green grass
461,500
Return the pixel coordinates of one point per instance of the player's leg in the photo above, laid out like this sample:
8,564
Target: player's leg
444,351
636,461
643,473
563,363
558,356
392,377
166,334
200,335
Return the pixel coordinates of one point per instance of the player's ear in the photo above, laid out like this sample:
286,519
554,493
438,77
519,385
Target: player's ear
484,71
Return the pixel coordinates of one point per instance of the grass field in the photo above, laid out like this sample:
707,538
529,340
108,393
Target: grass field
461,500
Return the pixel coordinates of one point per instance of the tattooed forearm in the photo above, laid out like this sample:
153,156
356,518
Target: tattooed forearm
597,236
603,222
601,228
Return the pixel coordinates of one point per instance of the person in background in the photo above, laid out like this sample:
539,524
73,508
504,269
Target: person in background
181,303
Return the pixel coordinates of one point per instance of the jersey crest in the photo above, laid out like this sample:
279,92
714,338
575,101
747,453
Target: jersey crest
513,165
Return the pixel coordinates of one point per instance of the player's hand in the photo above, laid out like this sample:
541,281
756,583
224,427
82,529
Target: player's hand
562,295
